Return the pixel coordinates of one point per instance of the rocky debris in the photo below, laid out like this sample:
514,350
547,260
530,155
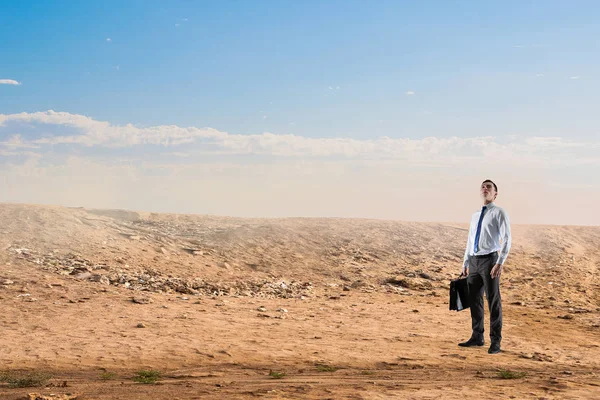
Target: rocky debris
425,275
150,280
38,396
140,325
537,357
141,300
566,316
409,283
103,279
130,235
261,309
21,251
7,282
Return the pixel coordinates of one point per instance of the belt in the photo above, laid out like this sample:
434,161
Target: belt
485,255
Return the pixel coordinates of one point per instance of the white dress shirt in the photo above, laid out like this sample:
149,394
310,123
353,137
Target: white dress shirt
494,236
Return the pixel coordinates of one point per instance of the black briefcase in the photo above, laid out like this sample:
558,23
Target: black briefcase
459,294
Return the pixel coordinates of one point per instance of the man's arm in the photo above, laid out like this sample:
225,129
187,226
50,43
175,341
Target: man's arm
467,251
505,236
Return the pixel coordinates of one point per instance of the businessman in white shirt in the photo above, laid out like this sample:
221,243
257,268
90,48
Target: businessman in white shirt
487,248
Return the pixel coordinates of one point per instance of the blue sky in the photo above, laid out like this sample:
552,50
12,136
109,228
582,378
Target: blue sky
350,72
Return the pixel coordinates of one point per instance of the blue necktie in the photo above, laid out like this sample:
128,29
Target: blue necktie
479,229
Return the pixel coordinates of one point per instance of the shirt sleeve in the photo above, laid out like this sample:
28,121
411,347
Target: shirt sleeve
505,236
468,250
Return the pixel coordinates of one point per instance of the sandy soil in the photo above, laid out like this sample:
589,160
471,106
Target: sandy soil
346,309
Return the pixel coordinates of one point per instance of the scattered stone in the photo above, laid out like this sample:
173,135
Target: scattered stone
283,310
409,283
141,300
7,282
103,279
141,325
82,275
261,309
425,275
346,288
566,316
38,396
541,357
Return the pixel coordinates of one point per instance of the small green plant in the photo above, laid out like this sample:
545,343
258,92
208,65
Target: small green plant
276,374
23,379
507,374
107,376
147,376
326,368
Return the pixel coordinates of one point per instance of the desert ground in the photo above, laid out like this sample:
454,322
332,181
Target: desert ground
295,308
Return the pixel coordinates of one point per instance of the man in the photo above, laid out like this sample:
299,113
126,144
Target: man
487,248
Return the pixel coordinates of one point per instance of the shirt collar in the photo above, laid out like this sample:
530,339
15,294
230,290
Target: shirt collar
490,206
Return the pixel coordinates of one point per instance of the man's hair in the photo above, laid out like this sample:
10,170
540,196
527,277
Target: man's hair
492,182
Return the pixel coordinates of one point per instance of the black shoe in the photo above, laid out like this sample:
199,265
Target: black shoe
471,342
494,348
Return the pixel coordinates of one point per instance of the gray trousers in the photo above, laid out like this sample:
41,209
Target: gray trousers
479,280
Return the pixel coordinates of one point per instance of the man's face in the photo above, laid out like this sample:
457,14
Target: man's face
488,192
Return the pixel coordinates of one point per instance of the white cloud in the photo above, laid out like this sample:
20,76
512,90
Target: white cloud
539,75
431,150
177,25
16,142
108,39
574,78
9,82
410,93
